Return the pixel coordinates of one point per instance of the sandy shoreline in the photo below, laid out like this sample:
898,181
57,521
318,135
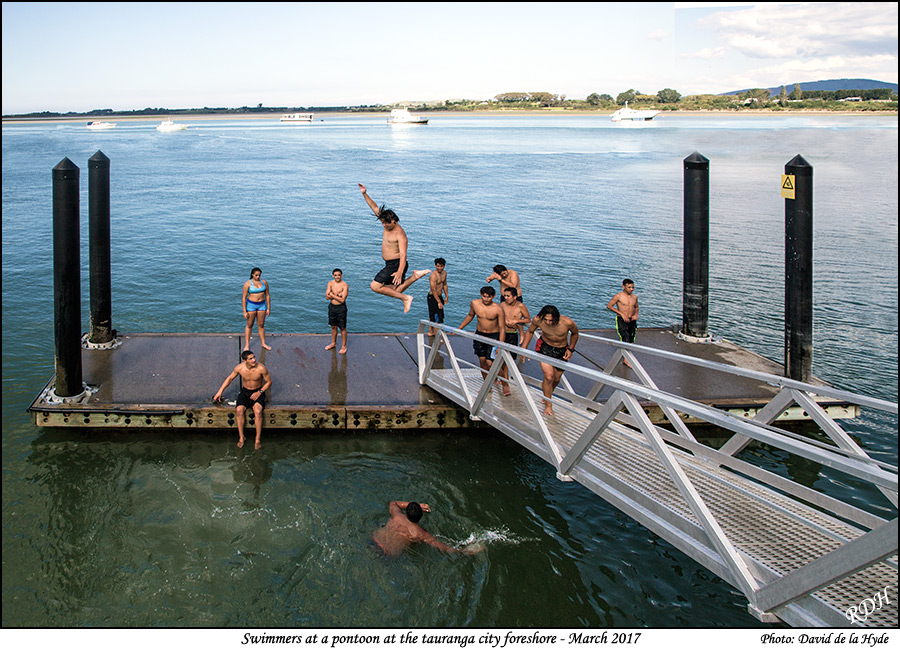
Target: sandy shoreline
430,114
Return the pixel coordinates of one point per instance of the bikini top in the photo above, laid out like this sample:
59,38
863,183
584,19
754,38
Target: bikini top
253,289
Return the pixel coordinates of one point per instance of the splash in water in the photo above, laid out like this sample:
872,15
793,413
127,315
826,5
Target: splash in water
479,540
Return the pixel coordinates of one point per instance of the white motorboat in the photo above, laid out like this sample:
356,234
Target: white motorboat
630,115
169,125
101,126
297,117
403,116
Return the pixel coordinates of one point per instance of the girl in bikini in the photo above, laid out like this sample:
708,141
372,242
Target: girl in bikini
257,305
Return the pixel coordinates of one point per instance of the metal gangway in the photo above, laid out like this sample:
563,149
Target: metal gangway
797,554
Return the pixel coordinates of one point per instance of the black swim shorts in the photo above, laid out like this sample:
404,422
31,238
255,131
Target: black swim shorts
337,315
244,399
627,331
484,349
385,275
435,313
513,339
549,350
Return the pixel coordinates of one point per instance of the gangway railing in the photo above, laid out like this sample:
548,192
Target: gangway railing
792,392
796,553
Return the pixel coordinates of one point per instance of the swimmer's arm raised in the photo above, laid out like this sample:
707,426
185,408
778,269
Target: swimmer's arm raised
402,505
372,205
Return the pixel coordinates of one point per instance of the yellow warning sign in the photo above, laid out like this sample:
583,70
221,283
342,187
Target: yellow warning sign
787,186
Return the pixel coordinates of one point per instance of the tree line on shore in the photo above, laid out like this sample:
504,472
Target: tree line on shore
667,99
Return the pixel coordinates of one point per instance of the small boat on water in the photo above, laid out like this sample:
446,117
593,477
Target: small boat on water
169,125
630,115
403,116
297,117
101,126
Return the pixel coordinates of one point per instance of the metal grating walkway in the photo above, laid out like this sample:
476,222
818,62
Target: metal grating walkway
757,525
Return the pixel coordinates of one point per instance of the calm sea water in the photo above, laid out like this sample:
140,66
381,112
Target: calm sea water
143,529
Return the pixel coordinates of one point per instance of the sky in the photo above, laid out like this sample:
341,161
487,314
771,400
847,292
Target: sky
129,56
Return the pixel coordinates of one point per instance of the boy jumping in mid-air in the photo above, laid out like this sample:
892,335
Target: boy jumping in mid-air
390,280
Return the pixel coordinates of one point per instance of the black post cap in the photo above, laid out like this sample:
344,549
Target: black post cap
798,166
65,170
696,161
99,159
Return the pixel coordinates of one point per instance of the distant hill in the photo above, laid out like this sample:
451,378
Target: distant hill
827,84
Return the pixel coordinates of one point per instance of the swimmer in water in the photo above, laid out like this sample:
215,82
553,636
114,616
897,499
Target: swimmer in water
403,529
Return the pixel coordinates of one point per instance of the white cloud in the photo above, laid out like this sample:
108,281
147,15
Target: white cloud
808,30
882,67
658,35
832,67
761,47
706,53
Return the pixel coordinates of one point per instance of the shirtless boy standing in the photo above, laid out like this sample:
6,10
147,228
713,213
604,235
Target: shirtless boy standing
625,306
559,334
255,381
490,324
515,315
507,278
336,292
390,280
438,295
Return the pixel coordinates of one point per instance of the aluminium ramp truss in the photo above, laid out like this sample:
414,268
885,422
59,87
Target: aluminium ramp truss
796,554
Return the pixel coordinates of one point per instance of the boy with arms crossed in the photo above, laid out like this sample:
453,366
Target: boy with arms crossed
336,292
